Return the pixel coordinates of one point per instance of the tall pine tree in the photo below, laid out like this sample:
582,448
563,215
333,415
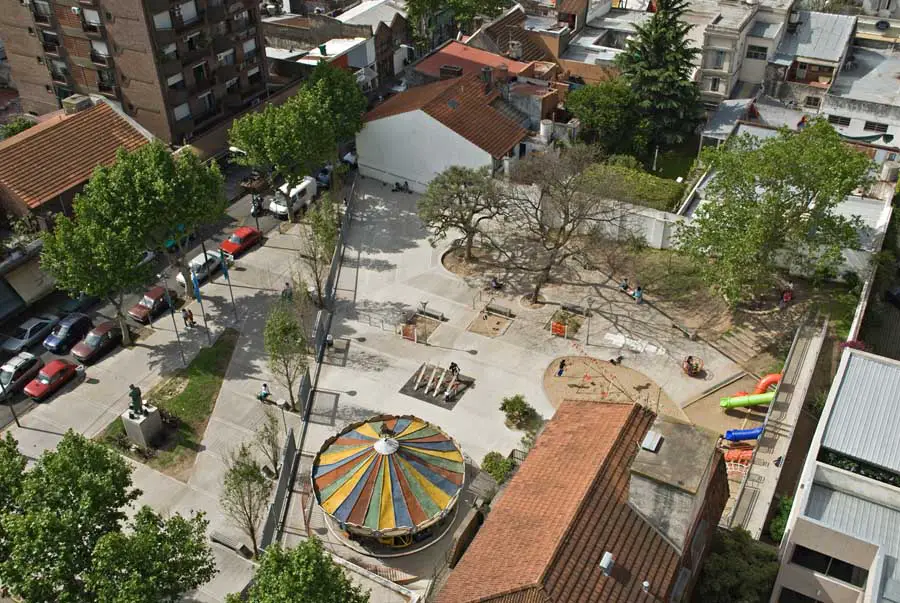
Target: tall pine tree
658,62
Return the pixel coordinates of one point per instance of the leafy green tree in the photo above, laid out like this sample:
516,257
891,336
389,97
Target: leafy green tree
465,11
420,15
245,493
773,200
12,469
737,569
342,102
286,345
518,412
304,573
156,561
290,140
610,117
70,499
18,124
317,250
460,198
658,64
267,438
779,521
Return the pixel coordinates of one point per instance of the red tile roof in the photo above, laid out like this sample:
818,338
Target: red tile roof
60,153
511,26
565,506
469,58
462,105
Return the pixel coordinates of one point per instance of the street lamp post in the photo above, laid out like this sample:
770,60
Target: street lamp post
165,279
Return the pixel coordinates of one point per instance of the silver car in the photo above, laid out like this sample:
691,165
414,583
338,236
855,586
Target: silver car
202,266
29,333
16,372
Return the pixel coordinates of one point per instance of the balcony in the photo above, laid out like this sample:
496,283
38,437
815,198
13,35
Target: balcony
177,96
60,77
101,60
182,26
193,55
95,31
108,89
52,49
41,19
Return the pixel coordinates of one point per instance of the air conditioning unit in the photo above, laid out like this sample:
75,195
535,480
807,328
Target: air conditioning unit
76,10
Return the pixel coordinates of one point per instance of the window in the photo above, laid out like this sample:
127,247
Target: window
231,86
169,51
200,73
823,564
838,120
717,59
254,76
162,20
188,12
874,126
182,111
713,84
757,52
176,81
892,156
58,68
227,57
99,48
241,16
792,596
42,11
208,102
90,19
193,41
249,48
106,81
812,102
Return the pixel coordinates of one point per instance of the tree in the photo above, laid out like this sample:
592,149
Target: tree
779,521
342,102
268,439
559,213
70,499
317,250
18,124
286,345
609,115
245,493
465,11
157,561
738,569
420,15
460,198
289,141
497,466
12,469
304,573
773,200
658,64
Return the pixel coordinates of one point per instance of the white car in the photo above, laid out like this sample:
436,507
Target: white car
299,197
202,266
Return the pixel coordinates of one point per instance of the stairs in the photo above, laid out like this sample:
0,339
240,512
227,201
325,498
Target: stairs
742,343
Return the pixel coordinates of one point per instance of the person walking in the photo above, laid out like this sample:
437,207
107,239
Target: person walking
191,318
638,295
454,369
562,368
287,293
185,318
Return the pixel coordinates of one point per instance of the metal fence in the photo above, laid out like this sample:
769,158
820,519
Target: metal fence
278,509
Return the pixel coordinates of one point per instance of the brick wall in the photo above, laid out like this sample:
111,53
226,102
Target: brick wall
22,49
65,17
78,47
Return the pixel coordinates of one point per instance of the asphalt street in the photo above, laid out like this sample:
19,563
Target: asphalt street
237,215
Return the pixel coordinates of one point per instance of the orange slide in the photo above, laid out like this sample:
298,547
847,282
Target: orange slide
738,455
766,382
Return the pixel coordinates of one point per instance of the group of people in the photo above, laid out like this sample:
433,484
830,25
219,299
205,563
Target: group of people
692,366
637,293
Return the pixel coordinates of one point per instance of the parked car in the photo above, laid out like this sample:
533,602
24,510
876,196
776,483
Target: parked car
29,333
297,198
50,378
16,372
67,332
240,241
151,305
102,338
78,303
203,265
323,177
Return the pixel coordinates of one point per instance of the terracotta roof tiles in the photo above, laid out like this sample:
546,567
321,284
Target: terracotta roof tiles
58,154
463,105
469,58
566,506
511,26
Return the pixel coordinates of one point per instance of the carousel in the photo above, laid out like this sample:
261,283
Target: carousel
390,479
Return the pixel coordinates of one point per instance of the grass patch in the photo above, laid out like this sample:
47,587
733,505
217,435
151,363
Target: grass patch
186,400
572,321
678,160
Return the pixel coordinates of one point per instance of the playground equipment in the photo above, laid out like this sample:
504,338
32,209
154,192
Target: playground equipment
763,385
739,455
739,435
440,381
748,400
692,366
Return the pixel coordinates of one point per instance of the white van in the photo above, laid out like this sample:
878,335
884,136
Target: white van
299,197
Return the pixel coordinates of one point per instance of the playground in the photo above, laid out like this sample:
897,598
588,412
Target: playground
404,319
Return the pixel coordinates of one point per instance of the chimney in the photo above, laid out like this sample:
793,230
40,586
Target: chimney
76,102
450,71
515,50
487,74
606,563
322,50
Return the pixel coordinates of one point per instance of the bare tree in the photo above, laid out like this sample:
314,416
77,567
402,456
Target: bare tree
268,438
556,211
245,493
317,249
286,345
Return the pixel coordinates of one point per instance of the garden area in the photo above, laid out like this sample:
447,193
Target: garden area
185,401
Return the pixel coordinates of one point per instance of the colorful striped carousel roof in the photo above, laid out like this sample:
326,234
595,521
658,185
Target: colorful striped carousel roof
389,475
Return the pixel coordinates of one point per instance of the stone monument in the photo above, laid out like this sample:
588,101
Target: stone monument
142,421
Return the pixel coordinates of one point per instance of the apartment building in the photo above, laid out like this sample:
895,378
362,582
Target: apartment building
177,68
842,540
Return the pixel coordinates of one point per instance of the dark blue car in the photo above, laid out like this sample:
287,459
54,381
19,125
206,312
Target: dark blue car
68,332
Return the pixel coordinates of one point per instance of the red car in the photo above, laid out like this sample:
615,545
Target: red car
53,376
99,341
240,241
151,305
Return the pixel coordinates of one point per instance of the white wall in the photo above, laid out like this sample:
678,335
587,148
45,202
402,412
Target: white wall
413,147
